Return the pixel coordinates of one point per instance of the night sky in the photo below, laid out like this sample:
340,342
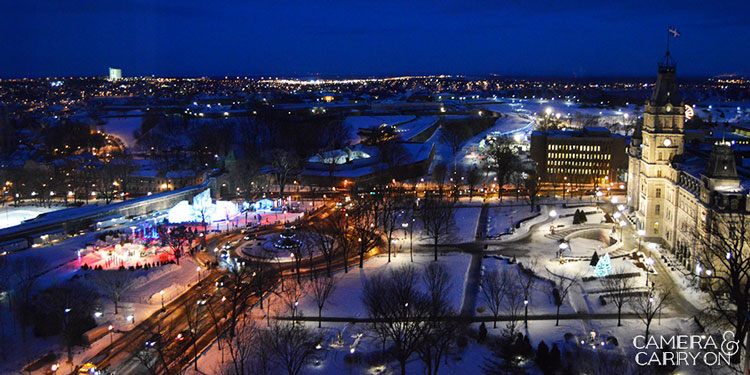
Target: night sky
376,37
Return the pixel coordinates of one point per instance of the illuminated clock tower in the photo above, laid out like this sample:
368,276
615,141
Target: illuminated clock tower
650,188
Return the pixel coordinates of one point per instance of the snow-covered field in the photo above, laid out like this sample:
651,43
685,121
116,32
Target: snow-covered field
564,107
10,216
500,219
123,128
732,112
465,221
346,299
541,301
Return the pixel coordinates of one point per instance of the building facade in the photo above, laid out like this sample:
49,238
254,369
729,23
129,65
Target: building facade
592,155
674,183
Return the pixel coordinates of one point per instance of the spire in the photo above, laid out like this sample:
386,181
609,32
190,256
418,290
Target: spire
666,89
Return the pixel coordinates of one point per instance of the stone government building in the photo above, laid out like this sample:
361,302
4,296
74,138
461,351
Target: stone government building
677,178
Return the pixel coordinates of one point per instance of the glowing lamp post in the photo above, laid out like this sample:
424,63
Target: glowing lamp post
623,224
526,312
649,263
111,340
563,246
649,260
198,269
641,233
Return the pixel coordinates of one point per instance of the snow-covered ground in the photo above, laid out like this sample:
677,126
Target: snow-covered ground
11,215
123,128
500,219
465,221
541,301
565,108
330,358
732,112
346,298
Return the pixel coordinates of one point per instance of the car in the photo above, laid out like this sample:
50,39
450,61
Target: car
153,340
87,368
182,335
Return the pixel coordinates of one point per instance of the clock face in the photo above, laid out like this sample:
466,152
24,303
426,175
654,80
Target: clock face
667,142
669,108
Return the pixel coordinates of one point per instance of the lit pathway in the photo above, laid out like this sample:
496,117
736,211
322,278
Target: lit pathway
474,274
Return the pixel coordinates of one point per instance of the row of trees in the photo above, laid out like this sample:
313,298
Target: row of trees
373,219
411,314
73,179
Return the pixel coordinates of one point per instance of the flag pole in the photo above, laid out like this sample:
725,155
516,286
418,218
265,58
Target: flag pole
668,27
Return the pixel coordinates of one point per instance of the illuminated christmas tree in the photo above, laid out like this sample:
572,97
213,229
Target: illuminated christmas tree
603,266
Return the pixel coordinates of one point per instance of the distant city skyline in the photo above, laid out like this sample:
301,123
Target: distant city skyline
302,39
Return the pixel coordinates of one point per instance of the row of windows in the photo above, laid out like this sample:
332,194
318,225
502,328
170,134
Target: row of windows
557,163
591,148
597,172
565,155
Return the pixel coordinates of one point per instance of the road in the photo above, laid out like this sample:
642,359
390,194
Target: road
121,354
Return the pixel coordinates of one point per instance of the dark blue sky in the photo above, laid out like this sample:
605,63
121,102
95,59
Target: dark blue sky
232,37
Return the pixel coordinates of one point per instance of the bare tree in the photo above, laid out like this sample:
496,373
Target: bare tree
440,328
249,350
456,180
340,229
647,306
113,284
473,178
194,318
155,354
291,293
526,281
25,272
291,345
408,215
390,216
513,305
532,186
501,159
298,252
397,308
240,275
323,235
362,221
284,164
722,251
618,289
437,216
321,289
177,238
439,171
563,283
494,288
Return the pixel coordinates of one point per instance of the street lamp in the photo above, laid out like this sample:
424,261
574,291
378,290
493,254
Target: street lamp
623,224
563,246
198,269
111,340
649,264
641,233
649,260
526,312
